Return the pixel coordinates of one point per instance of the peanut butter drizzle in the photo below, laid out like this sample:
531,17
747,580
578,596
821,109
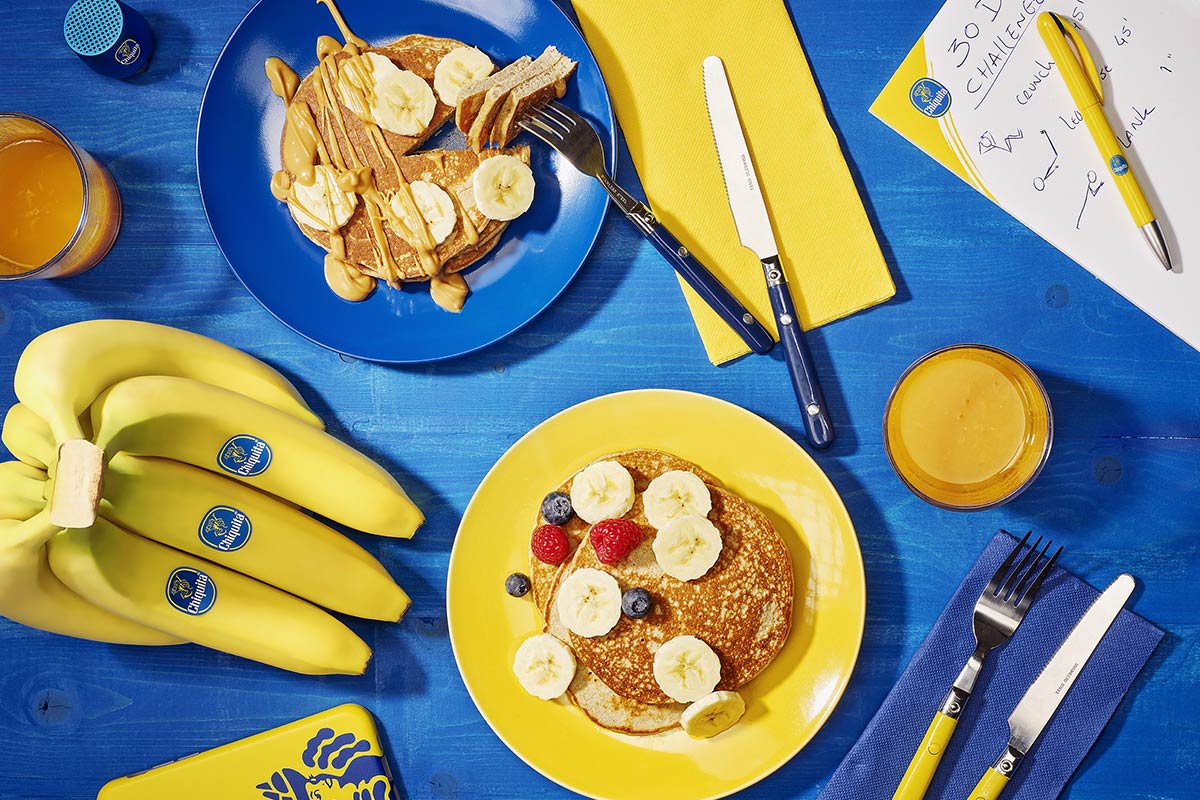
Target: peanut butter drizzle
281,185
468,224
347,34
284,81
327,46
449,291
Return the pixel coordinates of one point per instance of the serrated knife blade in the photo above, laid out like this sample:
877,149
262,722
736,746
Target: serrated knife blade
741,181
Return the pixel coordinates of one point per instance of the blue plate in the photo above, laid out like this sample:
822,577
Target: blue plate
237,150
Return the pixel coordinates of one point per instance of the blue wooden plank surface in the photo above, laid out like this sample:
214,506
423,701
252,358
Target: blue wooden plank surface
1120,489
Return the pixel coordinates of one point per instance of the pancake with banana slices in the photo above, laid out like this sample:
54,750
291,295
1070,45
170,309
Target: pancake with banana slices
741,607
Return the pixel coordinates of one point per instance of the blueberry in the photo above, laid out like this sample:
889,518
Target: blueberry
556,508
517,584
636,603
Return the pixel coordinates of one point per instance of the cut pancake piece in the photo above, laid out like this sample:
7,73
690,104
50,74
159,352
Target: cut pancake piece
489,109
537,91
471,96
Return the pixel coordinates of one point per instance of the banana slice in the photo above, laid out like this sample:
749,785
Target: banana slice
601,491
321,204
436,207
458,68
394,99
503,187
712,714
687,547
686,669
674,494
544,666
589,602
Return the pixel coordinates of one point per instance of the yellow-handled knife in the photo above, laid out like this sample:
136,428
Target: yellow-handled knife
1043,698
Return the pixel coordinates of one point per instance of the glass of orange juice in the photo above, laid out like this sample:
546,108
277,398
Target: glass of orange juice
59,208
968,427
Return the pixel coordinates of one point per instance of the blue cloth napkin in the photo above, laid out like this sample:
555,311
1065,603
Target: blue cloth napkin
874,766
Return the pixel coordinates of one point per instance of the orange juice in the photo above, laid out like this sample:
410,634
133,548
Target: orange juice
59,208
41,202
968,427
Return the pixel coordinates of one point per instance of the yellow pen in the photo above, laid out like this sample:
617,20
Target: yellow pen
1083,82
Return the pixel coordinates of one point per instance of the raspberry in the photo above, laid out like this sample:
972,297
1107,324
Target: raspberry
549,544
613,539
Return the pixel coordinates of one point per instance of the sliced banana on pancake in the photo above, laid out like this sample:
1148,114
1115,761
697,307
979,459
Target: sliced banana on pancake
687,547
674,494
686,669
544,666
395,99
503,187
589,602
712,714
436,207
458,68
322,204
603,490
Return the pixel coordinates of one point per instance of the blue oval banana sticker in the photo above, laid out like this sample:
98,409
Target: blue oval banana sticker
929,97
1118,165
244,455
191,591
225,528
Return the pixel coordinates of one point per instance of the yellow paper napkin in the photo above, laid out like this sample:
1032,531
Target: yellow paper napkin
651,52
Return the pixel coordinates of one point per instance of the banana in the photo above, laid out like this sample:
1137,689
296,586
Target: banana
436,207
62,371
601,491
687,547
394,99
675,493
458,68
202,602
589,602
322,204
31,594
235,526
712,714
27,437
686,668
503,187
544,666
22,490
242,439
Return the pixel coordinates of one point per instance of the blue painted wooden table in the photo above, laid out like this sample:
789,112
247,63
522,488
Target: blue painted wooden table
1120,490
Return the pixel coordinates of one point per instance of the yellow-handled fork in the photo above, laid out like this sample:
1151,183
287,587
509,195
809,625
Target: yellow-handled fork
998,612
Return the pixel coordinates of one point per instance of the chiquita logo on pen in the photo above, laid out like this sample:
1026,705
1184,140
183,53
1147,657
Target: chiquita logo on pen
245,455
929,97
225,528
1118,165
332,767
127,52
191,591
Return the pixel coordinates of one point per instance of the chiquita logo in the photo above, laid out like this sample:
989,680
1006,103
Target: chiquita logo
127,52
930,97
225,528
1118,165
334,767
245,455
191,591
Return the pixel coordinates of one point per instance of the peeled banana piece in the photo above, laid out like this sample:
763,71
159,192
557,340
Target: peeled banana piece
686,668
244,440
712,714
65,369
503,187
32,595
184,596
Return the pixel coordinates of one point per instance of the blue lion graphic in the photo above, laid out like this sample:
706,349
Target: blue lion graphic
339,769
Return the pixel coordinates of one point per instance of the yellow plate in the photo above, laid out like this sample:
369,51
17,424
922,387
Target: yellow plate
785,705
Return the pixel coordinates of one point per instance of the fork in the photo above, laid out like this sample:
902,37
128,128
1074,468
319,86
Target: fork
998,612
577,141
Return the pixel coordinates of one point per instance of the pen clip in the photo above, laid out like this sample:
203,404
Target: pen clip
1085,57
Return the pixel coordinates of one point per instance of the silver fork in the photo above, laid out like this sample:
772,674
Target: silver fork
577,141
998,612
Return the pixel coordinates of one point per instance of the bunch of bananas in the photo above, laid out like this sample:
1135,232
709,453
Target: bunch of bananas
197,532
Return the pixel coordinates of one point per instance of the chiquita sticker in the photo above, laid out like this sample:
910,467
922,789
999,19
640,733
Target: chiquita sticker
191,591
244,455
225,528
929,97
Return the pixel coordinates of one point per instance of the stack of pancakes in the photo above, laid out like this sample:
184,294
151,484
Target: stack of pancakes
449,169
742,608
488,108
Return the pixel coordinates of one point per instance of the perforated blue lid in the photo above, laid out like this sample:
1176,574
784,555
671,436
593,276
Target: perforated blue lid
93,26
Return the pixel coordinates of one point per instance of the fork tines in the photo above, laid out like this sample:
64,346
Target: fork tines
551,119
1018,585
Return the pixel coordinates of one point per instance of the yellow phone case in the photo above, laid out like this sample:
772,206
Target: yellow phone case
334,755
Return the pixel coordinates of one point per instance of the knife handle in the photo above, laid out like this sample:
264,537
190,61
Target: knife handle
925,761
817,425
705,284
990,786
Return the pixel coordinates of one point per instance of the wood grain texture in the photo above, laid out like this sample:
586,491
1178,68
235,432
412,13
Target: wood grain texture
1120,490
